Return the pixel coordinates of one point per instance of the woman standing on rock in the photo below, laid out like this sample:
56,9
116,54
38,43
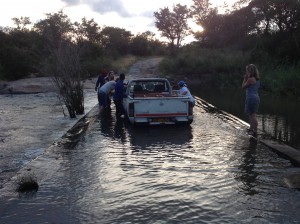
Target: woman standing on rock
251,84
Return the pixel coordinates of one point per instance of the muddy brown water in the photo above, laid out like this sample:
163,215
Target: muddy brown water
206,172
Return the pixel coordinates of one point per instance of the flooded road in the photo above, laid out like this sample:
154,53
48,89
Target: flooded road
208,172
106,171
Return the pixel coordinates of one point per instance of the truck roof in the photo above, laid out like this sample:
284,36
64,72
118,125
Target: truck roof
149,79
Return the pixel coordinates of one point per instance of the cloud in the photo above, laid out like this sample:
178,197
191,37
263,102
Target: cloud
71,2
148,14
102,6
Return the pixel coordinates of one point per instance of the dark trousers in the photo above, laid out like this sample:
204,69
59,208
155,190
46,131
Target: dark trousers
119,108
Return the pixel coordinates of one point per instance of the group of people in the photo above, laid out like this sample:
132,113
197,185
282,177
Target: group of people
106,84
107,87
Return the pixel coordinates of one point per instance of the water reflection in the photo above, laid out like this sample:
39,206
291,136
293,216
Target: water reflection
106,122
207,172
278,127
143,137
247,174
173,136
278,117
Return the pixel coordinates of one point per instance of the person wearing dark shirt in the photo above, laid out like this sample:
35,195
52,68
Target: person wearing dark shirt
119,95
101,79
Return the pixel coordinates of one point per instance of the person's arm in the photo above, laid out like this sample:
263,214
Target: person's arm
248,81
97,83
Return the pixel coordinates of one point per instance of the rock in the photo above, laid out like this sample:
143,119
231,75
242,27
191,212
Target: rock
293,181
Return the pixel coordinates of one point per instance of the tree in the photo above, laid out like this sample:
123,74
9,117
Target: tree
55,28
88,30
21,22
18,54
173,24
115,40
64,60
201,9
141,43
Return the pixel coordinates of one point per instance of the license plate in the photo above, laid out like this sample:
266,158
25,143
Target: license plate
161,120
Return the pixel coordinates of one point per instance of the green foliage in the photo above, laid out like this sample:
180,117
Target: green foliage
283,80
198,61
115,40
173,24
93,66
224,68
18,57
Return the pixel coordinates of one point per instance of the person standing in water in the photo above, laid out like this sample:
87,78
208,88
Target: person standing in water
119,95
251,84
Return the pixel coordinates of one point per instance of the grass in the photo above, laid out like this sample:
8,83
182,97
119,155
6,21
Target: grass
224,68
123,64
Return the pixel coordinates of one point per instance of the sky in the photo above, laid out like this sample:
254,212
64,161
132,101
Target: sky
133,15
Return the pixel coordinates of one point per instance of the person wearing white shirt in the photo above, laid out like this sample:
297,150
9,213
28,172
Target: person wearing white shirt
103,93
184,91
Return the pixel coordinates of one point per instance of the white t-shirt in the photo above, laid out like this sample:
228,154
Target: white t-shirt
108,87
185,89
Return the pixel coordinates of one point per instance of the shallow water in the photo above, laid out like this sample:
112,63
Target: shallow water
208,172
29,124
278,117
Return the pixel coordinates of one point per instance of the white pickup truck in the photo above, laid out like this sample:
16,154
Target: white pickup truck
152,101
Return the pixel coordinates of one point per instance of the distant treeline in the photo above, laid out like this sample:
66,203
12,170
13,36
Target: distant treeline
264,32
25,51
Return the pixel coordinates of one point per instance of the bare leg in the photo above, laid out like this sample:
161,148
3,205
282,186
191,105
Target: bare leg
253,123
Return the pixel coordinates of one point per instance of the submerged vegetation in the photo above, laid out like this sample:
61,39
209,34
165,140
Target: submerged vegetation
27,183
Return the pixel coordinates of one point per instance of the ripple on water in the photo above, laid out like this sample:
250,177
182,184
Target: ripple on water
206,172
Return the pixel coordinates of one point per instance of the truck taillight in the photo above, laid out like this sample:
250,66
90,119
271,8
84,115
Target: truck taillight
190,108
131,110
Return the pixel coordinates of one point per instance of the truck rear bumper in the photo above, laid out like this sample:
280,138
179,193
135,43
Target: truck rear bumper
161,120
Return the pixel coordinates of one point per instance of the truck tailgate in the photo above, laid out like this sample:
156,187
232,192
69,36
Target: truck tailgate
162,107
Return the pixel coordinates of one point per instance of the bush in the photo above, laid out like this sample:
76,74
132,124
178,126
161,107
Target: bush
27,183
226,67
282,79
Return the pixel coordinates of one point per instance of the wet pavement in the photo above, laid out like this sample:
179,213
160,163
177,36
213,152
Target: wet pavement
106,171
